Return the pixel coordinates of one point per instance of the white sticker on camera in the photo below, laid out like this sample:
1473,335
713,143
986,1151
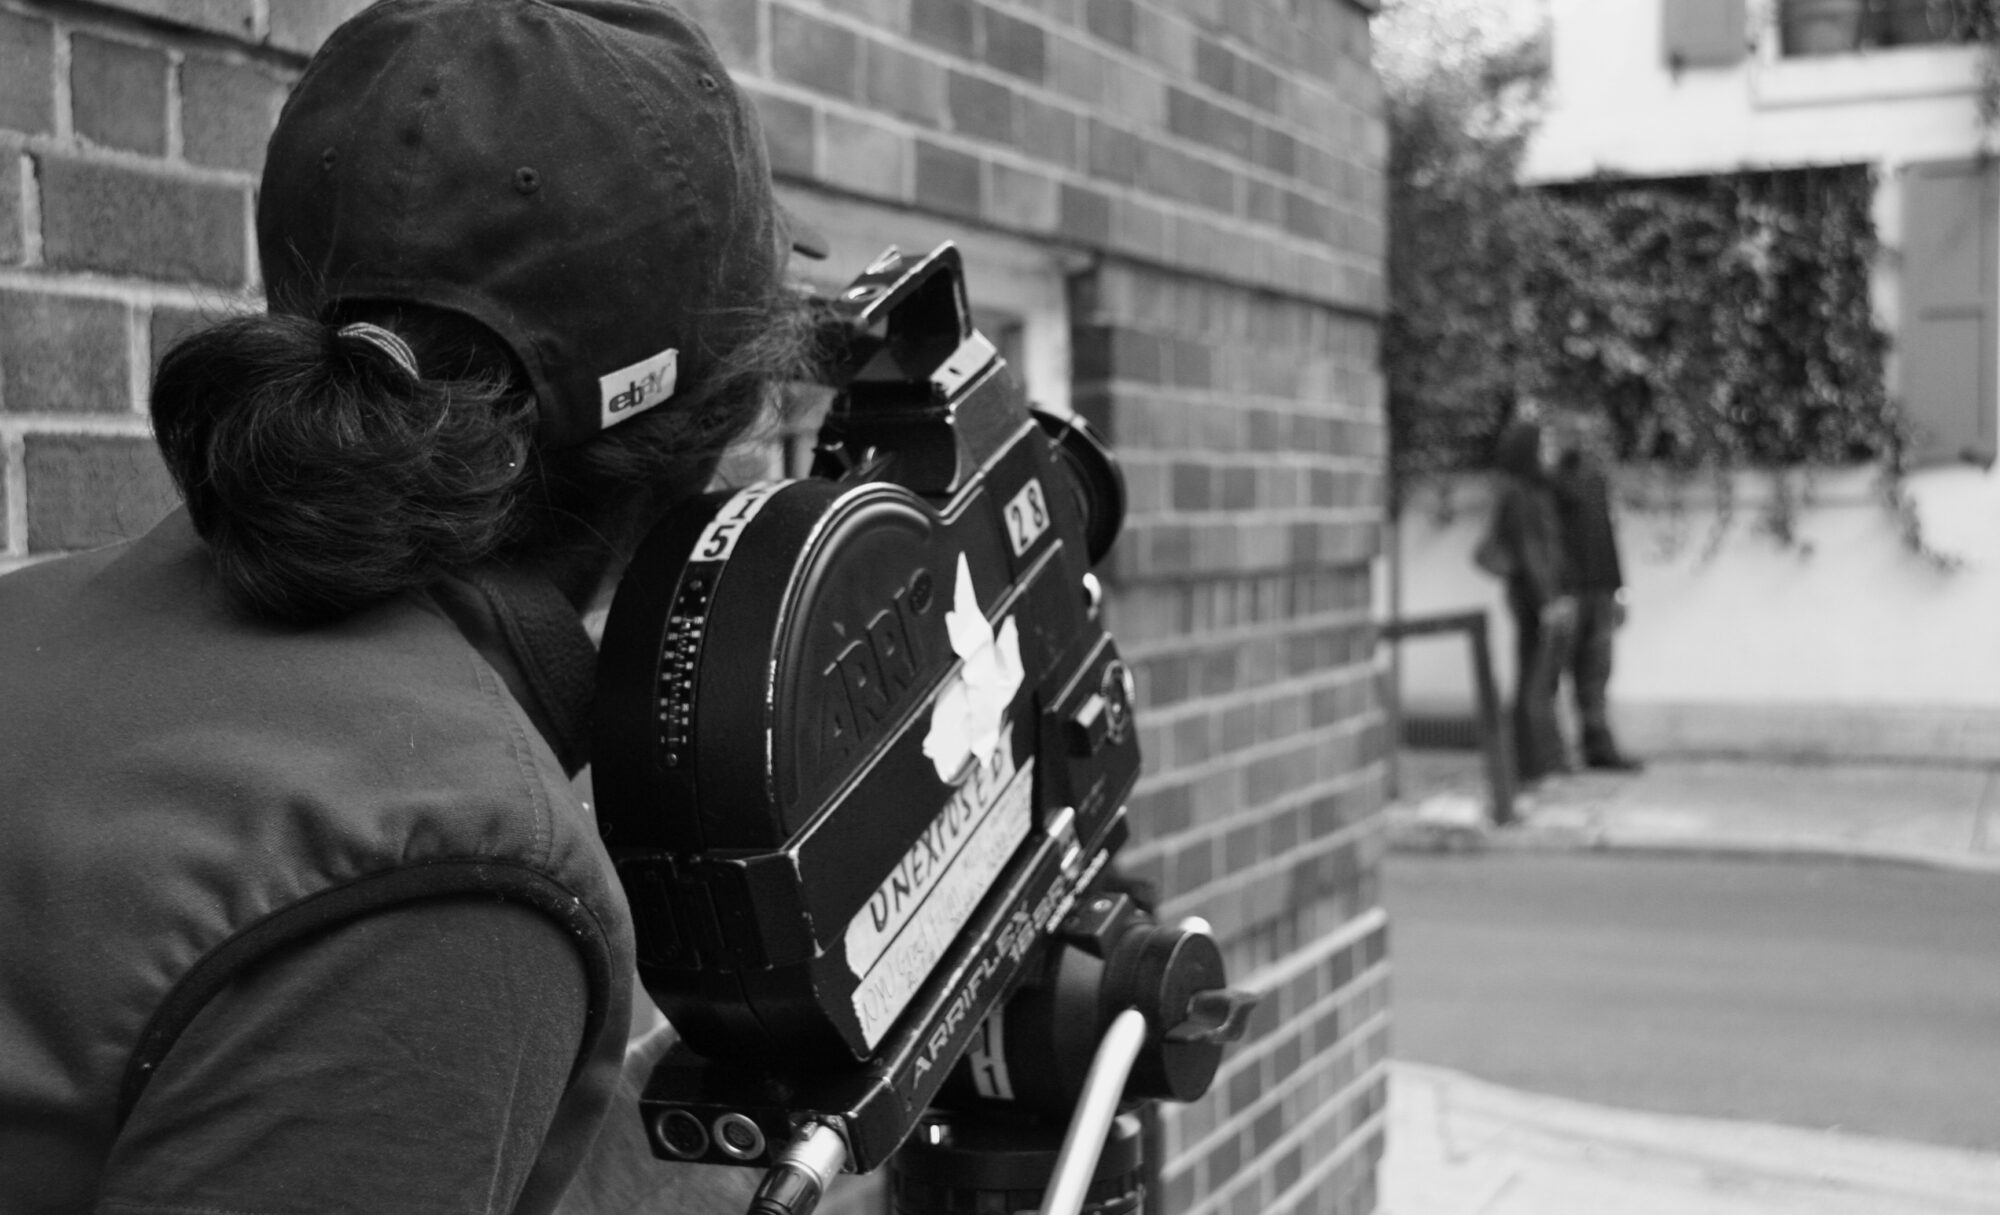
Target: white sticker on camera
916,913
966,718
718,539
1027,515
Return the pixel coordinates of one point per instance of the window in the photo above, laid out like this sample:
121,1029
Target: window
1703,33
1833,27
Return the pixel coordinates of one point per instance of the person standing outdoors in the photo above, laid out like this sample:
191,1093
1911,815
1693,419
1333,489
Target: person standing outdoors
1525,530
1594,578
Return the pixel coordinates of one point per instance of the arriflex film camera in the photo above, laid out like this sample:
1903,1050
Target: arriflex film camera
862,755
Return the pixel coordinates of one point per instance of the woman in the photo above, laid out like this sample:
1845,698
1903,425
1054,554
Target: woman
1525,526
301,911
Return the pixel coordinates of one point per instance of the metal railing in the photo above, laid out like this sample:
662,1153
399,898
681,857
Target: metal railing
1495,736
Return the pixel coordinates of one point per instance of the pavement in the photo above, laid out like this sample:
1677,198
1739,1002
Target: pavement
1947,817
1460,1146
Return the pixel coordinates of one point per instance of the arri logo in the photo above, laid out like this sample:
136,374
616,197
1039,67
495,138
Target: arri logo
635,389
875,665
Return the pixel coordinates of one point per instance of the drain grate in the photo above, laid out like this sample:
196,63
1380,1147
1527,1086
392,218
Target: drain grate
1443,733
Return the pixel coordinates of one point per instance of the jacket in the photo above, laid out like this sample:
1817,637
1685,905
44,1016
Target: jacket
184,791
1525,520
1590,539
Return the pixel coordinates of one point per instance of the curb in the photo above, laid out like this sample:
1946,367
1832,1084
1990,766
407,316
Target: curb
1409,833
1467,1145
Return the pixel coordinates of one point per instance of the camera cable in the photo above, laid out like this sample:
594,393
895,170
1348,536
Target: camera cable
804,1169
1103,1087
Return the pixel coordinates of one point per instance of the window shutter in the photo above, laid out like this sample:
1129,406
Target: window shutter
1951,222
1703,33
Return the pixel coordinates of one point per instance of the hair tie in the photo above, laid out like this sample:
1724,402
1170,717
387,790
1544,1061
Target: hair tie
385,341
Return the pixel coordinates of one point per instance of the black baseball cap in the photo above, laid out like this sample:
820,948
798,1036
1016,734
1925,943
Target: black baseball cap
580,176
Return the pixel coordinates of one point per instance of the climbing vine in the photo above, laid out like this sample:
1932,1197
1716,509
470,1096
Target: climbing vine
1719,322
1461,232
1976,22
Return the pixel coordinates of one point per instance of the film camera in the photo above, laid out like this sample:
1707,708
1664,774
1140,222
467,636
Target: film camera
862,754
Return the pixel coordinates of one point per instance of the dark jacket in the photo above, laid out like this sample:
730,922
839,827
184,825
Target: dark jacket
1525,519
187,791
1590,540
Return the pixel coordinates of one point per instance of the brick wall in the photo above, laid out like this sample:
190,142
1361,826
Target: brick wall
1221,159
1247,426
131,132
1216,166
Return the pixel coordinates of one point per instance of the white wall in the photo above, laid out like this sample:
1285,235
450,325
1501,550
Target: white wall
1615,106
1857,649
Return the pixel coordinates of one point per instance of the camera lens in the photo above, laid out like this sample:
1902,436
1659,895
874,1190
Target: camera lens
680,1135
739,1137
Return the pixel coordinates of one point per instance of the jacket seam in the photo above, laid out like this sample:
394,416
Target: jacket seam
344,903
520,749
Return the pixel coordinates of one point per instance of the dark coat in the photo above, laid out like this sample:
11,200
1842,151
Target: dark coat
1525,519
189,792
1590,541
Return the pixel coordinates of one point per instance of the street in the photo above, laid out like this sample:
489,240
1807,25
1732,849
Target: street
1858,997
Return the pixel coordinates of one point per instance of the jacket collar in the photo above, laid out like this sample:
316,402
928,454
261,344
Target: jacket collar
522,625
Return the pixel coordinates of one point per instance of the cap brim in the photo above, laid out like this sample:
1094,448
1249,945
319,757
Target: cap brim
801,236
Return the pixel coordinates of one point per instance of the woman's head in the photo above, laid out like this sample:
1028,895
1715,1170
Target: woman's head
1519,450
565,211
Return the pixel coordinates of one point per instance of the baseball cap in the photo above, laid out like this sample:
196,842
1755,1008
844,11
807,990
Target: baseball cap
582,177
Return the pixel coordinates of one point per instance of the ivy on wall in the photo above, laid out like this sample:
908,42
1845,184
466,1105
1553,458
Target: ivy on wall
1976,22
1718,323
1722,322
1461,233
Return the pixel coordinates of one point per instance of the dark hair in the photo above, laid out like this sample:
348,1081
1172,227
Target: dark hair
1518,450
325,478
